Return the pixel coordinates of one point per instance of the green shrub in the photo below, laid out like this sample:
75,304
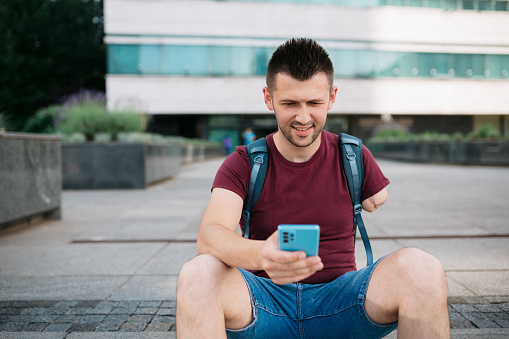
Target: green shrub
91,119
44,121
390,135
485,132
88,119
122,122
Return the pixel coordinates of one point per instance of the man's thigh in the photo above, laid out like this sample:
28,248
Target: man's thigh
209,287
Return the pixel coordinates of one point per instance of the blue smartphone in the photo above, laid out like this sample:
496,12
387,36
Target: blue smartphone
299,238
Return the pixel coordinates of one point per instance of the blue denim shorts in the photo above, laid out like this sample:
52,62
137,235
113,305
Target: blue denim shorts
330,310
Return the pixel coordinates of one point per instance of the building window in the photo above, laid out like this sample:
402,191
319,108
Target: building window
348,63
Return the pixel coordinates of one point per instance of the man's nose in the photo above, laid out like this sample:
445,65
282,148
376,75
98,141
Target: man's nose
303,116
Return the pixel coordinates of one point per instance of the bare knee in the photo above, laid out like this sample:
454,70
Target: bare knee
202,271
421,272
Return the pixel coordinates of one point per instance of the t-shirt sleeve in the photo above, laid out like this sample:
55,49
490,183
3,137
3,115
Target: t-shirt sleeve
234,173
374,179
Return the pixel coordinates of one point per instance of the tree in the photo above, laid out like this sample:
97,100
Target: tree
48,49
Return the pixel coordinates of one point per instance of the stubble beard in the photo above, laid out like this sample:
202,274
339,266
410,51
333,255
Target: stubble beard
288,135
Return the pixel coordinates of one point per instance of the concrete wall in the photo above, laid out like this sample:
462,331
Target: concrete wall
30,176
118,165
431,29
461,152
234,95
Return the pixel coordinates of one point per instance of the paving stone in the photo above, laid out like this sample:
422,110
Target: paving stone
111,323
123,310
22,318
135,326
166,311
87,303
158,327
78,311
65,304
490,308
502,319
140,318
464,308
163,319
128,304
504,306
57,327
45,318
88,319
10,311
461,323
150,304
480,320
105,304
67,318
101,310
84,327
11,326
33,327
146,310
169,303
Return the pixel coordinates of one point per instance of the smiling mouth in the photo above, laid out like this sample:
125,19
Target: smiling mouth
302,129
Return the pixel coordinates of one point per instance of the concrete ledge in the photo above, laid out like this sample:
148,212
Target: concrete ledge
457,152
30,176
118,165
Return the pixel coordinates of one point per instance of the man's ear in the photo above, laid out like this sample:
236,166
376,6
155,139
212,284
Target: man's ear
268,99
332,97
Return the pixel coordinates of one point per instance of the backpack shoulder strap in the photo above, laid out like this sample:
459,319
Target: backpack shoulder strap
351,150
258,156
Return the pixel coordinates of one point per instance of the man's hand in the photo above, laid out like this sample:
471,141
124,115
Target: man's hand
285,267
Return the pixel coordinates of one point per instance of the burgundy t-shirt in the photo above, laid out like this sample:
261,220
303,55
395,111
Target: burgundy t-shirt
312,192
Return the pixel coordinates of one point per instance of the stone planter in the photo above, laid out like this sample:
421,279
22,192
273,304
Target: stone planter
459,152
30,176
118,165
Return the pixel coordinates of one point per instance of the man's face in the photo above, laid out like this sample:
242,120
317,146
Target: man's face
300,106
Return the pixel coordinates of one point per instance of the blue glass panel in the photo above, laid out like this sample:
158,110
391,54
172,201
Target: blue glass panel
386,63
123,59
468,4
344,62
262,59
365,63
150,59
501,6
435,3
497,66
451,4
219,60
186,60
407,65
415,3
484,5
243,61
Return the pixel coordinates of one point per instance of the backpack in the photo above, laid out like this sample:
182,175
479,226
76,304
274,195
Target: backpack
351,150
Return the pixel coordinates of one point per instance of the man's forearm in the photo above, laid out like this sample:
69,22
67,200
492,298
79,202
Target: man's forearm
229,247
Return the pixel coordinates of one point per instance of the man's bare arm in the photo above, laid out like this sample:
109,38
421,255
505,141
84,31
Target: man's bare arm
217,234
372,203
217,237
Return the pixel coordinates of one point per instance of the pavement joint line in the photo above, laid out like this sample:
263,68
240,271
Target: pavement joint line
159,315
127,241
375,237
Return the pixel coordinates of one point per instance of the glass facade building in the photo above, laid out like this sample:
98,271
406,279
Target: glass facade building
198,67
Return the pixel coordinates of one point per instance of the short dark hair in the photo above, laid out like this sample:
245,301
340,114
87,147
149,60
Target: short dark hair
300,58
